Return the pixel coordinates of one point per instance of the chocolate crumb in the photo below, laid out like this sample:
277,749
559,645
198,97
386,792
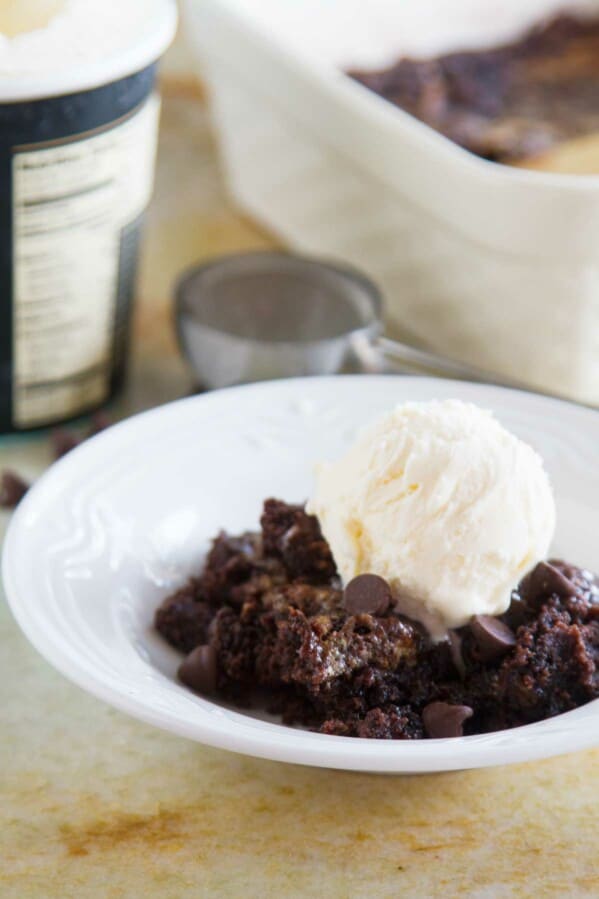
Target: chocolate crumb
12,489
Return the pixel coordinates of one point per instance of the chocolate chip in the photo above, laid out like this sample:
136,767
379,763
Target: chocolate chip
198,670
543,581
12,489
63,442
493,638
99,422
518,612
455,646
367,594
442,719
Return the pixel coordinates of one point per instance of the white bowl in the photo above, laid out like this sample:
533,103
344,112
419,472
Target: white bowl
480,261
121,521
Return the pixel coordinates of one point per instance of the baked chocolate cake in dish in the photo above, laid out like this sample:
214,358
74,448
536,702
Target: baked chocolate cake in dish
411,599
507,103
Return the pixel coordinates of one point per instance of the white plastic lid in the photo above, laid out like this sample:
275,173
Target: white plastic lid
76,45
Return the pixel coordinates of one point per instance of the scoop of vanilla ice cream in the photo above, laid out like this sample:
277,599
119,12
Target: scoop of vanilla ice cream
444,503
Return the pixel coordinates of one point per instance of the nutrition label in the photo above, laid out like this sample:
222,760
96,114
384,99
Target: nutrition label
74,203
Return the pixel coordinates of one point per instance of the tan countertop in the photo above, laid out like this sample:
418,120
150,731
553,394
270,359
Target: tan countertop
95,804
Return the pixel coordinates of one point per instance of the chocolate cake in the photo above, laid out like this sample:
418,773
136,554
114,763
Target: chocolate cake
508,103
268,622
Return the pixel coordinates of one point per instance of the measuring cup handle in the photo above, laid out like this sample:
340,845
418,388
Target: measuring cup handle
402,357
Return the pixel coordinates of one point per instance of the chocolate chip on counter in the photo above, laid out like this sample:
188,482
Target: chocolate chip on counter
543,581
99,422
198,670
12,489
493,638
63,441
367,594
442,719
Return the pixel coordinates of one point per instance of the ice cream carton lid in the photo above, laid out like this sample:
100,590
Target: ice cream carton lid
60,47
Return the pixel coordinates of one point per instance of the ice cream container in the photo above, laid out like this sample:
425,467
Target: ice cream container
493,265
78,128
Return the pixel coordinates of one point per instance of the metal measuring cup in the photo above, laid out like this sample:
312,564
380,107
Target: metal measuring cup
262,315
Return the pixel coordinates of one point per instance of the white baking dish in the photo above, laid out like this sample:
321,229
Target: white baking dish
495,265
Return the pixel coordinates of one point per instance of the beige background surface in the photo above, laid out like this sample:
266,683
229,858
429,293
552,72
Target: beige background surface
94,804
